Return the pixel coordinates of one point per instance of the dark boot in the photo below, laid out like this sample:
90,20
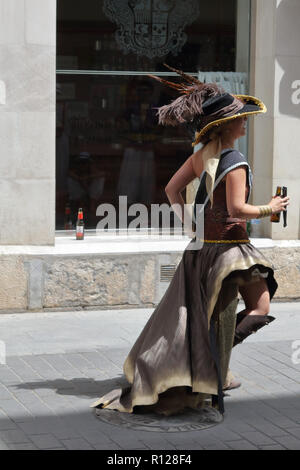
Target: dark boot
240,316
248,324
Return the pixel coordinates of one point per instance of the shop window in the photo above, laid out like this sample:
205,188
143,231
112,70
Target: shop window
108,141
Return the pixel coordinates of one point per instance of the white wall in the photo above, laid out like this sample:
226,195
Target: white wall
242,36
286,163
27,121
274,71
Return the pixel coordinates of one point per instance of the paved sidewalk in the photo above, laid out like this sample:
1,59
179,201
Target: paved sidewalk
59,363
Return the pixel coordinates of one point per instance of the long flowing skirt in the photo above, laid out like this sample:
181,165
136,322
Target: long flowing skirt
181,357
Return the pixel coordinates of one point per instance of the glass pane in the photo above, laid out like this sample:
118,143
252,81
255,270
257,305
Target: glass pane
144,34
108,140
109,143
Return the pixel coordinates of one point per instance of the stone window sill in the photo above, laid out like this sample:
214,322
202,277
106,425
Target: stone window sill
120,244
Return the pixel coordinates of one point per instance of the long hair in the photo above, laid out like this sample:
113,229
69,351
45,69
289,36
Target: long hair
216,131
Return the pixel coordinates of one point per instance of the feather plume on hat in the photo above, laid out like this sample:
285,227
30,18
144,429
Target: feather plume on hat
187,106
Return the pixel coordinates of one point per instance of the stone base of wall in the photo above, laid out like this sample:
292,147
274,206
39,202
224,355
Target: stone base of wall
106,281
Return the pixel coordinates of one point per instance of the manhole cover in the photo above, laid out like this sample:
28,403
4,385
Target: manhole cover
190,420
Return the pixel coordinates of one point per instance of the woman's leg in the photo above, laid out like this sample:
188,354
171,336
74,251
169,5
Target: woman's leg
256,297
257,301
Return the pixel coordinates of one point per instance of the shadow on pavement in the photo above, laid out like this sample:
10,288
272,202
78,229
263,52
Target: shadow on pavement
77,386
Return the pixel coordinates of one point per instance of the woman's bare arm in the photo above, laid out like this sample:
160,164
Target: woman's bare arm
235,197
186,173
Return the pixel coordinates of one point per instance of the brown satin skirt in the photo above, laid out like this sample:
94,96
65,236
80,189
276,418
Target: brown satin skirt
172,364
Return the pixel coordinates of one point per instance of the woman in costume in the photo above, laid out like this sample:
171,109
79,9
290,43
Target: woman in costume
182,355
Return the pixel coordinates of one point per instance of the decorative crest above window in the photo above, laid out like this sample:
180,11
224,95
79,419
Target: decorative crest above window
151,28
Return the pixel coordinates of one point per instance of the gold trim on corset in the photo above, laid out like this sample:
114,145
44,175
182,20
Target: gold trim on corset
224,241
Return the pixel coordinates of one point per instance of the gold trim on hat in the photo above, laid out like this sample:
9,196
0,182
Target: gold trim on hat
218,122
224,241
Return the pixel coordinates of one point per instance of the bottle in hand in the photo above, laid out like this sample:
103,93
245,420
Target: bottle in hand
80,225
284,194
276,217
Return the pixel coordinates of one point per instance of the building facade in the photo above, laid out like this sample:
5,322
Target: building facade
78,130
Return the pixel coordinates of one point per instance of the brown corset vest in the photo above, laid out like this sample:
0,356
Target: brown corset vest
218,225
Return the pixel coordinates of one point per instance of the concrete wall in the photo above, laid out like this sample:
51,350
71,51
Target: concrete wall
27,121
117,280
275,78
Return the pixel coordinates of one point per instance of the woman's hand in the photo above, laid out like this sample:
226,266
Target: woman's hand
279,203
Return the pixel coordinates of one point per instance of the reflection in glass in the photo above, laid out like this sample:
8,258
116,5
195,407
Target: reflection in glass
113,145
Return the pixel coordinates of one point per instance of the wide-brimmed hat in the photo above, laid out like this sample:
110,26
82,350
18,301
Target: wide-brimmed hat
202,106
252,105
